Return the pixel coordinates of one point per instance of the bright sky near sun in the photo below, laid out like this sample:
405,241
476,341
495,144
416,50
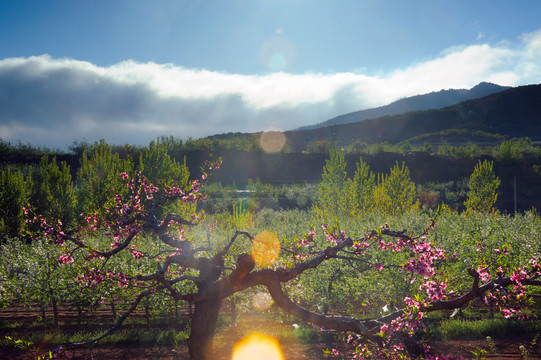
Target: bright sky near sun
130,70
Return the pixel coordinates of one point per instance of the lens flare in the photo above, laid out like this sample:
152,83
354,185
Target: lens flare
272,141
277,53
262,301
258,346
265,248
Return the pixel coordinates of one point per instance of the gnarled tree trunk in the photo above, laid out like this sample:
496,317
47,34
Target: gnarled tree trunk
203,328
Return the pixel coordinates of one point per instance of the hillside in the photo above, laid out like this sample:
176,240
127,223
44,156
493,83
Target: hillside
433,100
515,112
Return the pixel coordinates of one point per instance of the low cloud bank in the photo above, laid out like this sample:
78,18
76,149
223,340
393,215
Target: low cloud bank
47,101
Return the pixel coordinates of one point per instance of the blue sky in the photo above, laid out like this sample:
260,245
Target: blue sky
131,70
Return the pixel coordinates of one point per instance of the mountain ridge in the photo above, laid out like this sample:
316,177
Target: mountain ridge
515,112
433,100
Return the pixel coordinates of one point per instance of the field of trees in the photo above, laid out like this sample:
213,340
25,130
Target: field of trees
361,247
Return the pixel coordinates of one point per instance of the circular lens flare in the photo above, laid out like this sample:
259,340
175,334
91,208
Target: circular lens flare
257,346
277,53
272,141
265,248
277,62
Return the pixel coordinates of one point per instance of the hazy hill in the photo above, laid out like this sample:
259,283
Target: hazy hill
515,112
433,100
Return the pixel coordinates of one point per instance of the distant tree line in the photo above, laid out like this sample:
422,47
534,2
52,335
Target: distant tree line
480,144
63,190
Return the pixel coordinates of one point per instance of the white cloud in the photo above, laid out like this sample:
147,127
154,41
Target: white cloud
55,101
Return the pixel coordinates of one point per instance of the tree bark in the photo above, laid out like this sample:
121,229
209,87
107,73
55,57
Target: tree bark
204,321
233,311
113,309
43,315
79,315
55,312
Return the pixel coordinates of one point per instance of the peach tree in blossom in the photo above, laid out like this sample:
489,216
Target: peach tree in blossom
205,272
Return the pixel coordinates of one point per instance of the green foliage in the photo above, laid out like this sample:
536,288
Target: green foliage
320,147
406,147
259,196
220,198
483,185
12,199
51,192
357,147
395,193
242,217
238,142
262,196
160,169
98,177
33,275
23,150
338,196
451,193
480,329
426,148
445,149
513,151
332,191
362,189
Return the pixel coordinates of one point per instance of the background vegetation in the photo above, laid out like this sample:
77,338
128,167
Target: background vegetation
350,190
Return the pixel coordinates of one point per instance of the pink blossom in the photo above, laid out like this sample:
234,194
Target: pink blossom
411,303
483,273
64,259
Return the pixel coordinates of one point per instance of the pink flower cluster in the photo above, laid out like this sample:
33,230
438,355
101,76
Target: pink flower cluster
484,275
519,275
426,255
65,258
136,254
308,240
93,278
54,234
434,290
334,234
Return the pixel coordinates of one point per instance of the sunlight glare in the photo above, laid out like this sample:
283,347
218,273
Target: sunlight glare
265,248
257,346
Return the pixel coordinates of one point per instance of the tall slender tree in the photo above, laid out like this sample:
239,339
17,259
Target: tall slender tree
332,194
98,177
483,185
395,192
51,191
362,189
13,198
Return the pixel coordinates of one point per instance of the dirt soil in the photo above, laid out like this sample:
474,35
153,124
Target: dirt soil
505,349
508,348
123,352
